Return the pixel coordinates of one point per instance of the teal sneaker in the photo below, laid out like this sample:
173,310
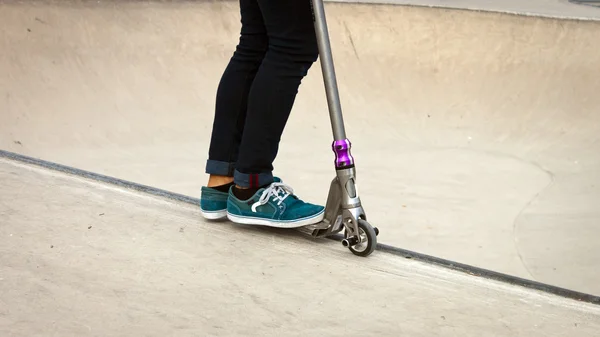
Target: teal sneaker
274,206
213,203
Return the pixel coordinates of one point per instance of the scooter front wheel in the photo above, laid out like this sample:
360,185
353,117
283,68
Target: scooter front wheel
368,241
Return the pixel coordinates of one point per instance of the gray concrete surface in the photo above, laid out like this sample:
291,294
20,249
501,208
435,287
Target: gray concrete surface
476,134
81,258
544,8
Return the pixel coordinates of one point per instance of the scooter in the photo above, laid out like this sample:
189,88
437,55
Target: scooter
343,210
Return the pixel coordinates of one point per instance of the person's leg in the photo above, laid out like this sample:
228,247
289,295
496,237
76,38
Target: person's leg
230,109
233,90
293,49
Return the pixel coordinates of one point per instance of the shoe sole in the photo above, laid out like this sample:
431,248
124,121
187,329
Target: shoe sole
214,215
278,224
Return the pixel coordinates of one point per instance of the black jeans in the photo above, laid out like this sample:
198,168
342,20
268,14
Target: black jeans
277,47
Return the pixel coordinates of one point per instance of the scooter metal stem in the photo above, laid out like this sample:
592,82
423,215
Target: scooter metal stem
328,69
343,210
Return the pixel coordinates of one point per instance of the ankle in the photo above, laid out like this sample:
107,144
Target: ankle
244,193
216,180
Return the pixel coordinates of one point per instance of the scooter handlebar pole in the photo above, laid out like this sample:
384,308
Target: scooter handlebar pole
328,69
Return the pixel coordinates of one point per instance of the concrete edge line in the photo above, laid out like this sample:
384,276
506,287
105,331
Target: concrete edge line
432,260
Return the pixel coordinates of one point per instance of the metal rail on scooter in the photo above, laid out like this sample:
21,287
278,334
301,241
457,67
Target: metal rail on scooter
343,210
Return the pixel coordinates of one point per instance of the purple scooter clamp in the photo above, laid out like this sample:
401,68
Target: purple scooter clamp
343,157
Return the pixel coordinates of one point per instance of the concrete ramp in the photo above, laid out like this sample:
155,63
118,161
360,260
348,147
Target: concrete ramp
81,258
476,136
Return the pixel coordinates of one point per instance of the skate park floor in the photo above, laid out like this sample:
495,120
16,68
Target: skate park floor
84,258
476,139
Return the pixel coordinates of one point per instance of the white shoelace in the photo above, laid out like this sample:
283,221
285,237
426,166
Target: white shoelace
278,191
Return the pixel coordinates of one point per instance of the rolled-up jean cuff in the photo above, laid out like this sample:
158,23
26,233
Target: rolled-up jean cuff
220,168
252,180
